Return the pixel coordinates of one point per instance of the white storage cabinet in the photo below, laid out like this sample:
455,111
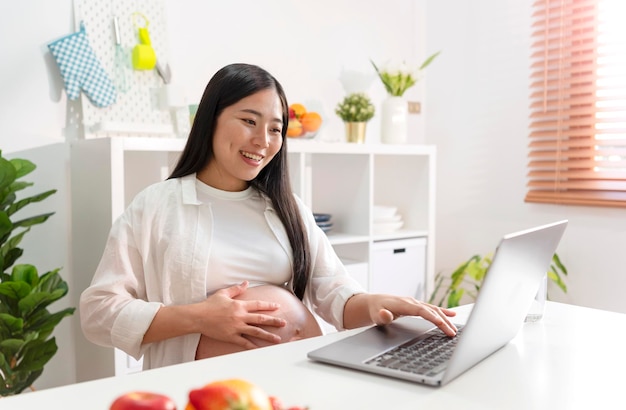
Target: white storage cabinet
399,267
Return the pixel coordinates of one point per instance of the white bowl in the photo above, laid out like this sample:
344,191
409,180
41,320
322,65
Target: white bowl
381,211
388,227
388,219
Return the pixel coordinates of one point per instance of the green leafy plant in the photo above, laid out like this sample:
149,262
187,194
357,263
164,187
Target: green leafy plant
468,277
26,324
399,78
355,107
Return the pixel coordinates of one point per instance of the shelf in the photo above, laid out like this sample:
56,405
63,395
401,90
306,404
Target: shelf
342,238
319,147
400,234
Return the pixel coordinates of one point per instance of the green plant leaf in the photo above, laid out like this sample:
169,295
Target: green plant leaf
475,270
557,261
455,297
36,355
45,325
36,301
22,167
8,174
51,281
31,379
459,274
27,305
5,366
26,273
12,323
6,199
15,290
9,259
12,242
33,220
11,346
19,185
6,226
384,80
429,60
23,381
23,202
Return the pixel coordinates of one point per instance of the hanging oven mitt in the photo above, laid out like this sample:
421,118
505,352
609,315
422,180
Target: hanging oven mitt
81,69
144,57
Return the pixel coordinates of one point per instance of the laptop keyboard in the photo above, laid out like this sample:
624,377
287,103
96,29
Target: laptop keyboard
425,355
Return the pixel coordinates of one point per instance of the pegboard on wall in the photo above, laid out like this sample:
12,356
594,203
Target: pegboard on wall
136,111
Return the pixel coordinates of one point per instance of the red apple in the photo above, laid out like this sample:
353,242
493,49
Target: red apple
143,400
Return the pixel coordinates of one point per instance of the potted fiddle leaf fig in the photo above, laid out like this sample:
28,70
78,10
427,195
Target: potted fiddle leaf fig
26,324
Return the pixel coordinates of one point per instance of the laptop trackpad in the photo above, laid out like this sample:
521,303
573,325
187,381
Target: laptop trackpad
374,340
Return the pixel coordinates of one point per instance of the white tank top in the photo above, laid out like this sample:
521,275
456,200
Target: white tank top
243,246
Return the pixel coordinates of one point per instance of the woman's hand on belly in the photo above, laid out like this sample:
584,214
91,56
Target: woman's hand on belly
229,317
299,322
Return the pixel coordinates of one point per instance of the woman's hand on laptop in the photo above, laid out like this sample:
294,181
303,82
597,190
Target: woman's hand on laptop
365,309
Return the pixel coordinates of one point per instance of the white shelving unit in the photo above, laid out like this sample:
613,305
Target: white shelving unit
342,179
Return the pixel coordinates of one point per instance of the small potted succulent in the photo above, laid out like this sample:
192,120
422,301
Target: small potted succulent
355,110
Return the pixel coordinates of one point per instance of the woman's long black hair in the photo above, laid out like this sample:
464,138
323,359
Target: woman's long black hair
229,85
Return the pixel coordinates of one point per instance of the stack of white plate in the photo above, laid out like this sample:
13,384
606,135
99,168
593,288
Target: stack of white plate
386,219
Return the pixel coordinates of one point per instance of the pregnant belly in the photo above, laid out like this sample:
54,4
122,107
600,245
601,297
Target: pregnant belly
300,322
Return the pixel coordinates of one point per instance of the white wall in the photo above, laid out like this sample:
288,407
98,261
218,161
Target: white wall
475,111
306,45
477,114
32,108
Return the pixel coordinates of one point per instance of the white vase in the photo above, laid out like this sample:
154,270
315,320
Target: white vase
394,120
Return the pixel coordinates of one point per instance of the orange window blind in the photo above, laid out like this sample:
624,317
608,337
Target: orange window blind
577,151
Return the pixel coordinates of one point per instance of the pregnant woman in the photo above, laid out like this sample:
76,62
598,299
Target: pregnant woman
179,273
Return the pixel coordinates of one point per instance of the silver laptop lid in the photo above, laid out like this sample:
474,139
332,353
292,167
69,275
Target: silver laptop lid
519,263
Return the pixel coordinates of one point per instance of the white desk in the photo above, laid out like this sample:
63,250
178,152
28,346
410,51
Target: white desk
556,363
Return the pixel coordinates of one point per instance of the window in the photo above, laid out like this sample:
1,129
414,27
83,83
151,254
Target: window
577,152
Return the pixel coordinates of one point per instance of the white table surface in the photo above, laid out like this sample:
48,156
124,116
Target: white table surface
557,363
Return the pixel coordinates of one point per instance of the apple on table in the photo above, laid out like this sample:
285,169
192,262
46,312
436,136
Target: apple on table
143,400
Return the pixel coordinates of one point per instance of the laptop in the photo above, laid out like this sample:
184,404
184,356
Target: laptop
519,264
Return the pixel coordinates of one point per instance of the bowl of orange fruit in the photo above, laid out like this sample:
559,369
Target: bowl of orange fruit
303,123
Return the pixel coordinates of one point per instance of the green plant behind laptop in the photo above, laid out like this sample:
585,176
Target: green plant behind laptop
468,277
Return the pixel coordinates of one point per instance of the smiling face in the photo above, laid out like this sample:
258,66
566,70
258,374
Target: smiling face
247,137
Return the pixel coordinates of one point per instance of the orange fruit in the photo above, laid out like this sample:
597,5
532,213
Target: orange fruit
298,109
294,129
311,121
